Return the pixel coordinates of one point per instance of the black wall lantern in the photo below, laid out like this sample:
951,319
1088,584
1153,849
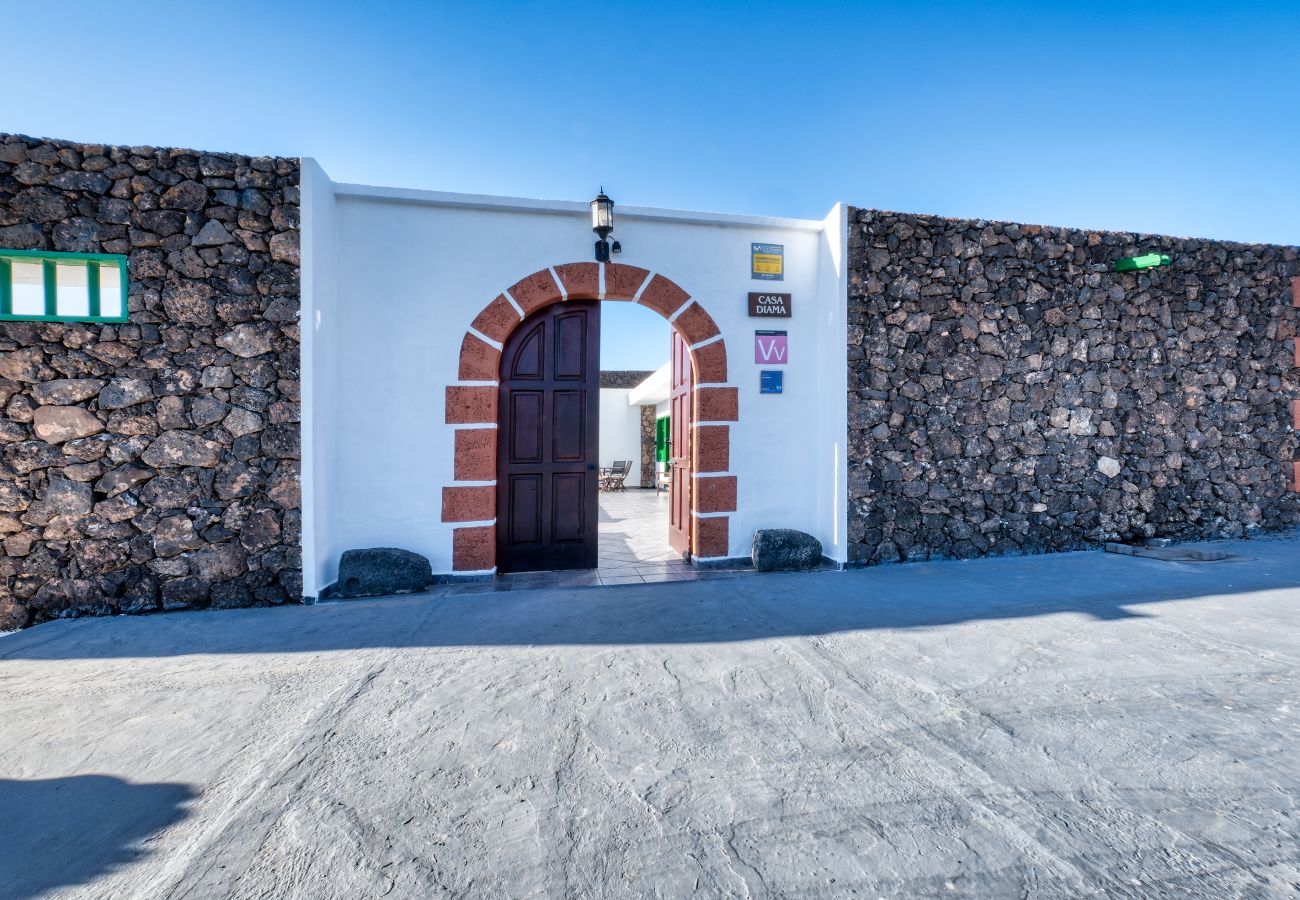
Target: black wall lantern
602,222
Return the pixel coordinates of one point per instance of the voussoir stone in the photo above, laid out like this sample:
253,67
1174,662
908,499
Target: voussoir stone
56,424
182,448
378,571
778,549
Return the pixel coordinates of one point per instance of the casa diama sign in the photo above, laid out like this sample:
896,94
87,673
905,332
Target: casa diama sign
769,306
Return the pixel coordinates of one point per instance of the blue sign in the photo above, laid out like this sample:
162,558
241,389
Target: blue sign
770,382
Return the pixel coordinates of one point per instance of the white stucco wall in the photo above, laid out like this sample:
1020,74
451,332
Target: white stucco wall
319,372
620,431
402,274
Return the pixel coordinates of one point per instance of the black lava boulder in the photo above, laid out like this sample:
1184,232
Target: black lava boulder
382,570
778,549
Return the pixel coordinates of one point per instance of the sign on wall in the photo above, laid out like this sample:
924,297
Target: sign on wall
770,347
770,381
767,262
769,306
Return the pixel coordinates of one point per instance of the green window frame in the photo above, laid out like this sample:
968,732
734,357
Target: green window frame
89,296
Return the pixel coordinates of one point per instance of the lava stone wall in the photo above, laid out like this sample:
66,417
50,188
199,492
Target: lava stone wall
152,464
1010,392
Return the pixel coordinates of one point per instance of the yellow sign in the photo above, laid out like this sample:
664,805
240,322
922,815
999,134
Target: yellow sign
767,261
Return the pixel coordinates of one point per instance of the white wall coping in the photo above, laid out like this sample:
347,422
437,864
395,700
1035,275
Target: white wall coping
655,387
530,205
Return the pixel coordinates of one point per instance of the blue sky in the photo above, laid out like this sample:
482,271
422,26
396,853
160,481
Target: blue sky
1161,117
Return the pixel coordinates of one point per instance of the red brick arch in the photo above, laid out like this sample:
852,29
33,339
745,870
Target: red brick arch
472,402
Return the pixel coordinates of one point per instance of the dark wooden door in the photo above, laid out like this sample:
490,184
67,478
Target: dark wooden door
679,447
549,440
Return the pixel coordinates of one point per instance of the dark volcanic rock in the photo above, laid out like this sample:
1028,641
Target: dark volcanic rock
1010,392
130,478
382,570
778,549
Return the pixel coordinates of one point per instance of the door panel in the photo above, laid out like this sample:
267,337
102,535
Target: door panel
570,432
525,426
570,357
679,447
525,519
547,456
526,361
568,509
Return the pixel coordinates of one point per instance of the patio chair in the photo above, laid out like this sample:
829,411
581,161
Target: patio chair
613,478
663,479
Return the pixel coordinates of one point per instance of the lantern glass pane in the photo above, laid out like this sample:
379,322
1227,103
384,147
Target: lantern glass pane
602,213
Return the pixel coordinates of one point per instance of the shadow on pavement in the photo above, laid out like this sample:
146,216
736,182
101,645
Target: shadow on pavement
915,595
60,832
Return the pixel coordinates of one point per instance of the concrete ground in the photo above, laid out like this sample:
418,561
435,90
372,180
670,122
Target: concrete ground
1073,725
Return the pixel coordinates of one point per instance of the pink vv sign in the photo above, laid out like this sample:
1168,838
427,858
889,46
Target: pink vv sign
770,348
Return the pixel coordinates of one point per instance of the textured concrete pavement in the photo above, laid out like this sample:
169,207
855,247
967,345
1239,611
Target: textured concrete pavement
1070,725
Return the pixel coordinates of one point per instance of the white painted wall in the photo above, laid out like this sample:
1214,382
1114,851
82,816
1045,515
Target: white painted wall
655,388
620,431
319,371
395,277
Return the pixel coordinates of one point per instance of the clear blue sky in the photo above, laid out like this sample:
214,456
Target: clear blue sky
1179,118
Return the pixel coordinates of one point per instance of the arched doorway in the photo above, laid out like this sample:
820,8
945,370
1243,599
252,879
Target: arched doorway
472,405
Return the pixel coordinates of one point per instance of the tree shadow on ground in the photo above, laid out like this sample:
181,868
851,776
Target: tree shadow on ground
753,607
61,832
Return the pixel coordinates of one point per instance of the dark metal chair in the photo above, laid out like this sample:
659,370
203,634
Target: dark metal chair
613,478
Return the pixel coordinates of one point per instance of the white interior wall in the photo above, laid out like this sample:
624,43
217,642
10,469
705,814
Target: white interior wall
620,431
413,268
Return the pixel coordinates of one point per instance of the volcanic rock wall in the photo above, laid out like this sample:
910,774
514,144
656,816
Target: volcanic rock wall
152,464
1010,392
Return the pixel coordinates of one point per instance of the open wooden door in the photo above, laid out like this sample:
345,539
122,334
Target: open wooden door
548,443
679,447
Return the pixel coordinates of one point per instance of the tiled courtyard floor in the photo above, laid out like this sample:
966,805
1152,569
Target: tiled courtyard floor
633,550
